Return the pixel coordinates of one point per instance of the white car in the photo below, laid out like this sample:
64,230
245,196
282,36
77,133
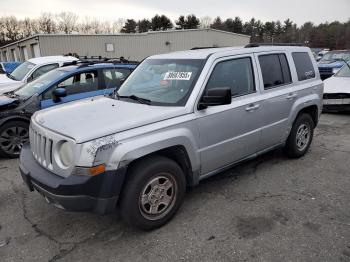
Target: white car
30,70
337,91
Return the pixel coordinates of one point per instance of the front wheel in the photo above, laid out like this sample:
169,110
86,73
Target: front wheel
154,191
12,137
300,137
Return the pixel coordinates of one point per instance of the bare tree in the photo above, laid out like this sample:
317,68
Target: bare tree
12,29
67,22
85,26
205,21
47,23
118,25
106,27
96,26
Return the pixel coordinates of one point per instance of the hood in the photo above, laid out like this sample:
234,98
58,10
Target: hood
4,80
10,87
88,119
6,102
330,63
8,84
335,85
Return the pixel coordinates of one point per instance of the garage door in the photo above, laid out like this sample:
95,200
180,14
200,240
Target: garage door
25,53
36,50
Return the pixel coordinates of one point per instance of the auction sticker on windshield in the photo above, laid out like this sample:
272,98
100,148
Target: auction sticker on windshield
178,76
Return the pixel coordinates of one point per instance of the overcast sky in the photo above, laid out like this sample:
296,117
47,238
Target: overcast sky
299,11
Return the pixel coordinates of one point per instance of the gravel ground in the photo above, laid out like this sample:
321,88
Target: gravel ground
268,209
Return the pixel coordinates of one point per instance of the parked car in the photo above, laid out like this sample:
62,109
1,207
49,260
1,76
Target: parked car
337,91
30,70
8,67
331,62
179,118
59,86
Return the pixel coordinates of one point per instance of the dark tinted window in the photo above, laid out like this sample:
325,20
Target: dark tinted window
114,77
275,70
304,66
236,74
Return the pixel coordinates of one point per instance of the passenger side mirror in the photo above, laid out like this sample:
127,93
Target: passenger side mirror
216,97
58,93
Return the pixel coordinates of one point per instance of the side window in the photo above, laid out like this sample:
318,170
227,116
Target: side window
304,66
114,77
275,70
236,74
76,84
42,70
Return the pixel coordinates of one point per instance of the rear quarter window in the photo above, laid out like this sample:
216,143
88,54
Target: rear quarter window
304,66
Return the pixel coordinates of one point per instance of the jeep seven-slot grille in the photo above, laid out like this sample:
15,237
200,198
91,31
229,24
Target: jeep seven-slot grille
41,147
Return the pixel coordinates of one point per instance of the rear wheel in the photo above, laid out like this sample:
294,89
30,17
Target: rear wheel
154,191
12,137
300,137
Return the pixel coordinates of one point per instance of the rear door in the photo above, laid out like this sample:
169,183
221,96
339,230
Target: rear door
232,132
278,96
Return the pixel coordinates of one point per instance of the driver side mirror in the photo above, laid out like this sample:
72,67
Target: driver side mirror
58,93
216,97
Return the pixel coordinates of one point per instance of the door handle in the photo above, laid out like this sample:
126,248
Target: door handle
252,107
292,96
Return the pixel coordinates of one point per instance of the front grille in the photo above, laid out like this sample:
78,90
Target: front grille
336,96
41,147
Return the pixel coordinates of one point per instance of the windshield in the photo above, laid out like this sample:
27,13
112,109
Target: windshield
163,81
343,72
331,56
20,72
39,84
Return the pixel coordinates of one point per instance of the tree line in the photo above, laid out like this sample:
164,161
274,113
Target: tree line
334,35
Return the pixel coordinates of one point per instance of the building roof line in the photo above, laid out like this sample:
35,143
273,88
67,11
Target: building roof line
123,34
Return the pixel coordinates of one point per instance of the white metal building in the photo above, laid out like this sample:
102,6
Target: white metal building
130,46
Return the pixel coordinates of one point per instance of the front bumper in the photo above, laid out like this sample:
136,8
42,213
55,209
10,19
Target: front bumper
98,194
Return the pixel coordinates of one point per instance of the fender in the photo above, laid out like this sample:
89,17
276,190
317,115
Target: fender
301,103
126,151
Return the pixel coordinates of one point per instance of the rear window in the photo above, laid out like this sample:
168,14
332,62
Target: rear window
304,66
275,70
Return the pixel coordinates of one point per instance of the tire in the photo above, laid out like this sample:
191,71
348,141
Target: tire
151,178
13,135
300,137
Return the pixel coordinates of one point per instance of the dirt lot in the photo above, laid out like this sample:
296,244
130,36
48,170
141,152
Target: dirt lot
269,209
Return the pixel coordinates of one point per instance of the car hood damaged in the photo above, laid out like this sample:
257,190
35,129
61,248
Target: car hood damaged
91,118
8,102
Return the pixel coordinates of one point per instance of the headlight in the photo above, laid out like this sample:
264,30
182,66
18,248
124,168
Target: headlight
335,70
65,154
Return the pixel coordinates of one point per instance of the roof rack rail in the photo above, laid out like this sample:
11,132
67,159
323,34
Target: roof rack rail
204,47
273,44
87,62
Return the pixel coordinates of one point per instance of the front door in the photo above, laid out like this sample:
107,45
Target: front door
78,86
232,132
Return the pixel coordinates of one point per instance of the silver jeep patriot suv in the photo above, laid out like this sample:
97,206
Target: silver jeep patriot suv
178,119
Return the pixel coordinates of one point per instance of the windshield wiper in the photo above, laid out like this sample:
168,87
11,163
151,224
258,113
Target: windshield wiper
136,98
10,76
